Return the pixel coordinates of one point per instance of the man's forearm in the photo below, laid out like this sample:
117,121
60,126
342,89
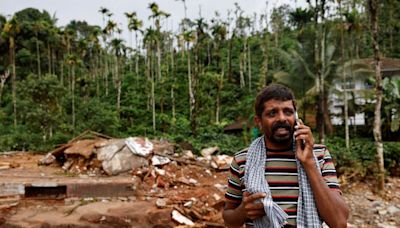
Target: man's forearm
234,217
331,206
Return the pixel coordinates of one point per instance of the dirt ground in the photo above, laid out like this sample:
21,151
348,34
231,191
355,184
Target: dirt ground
193,191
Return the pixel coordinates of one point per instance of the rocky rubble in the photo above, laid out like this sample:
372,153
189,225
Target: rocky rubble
369,209
94,154
182,188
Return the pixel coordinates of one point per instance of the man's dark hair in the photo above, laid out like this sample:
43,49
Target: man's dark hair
273,91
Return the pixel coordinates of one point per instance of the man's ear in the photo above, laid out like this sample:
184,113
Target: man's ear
257,121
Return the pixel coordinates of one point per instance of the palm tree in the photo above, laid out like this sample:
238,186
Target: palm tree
189,36
108,31
264,39
104,11
310,81
72,61
118,46
219,32
10,32
37,27
157,14
129,17
149,39
96,53
135,24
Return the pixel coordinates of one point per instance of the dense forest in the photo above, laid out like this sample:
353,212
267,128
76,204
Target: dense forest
187,85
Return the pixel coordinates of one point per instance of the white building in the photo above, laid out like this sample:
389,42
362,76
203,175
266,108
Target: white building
358,86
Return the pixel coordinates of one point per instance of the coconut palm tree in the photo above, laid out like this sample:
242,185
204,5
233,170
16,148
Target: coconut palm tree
135,24
118,46
10,32
73,61
305,82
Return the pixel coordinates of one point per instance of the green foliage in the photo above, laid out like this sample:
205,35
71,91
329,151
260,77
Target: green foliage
97,116
21,139
360,160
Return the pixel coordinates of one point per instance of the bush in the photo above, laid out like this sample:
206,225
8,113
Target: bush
360,160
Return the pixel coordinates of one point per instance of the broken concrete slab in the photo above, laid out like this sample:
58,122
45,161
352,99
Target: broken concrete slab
122,161
158,160
83,147
11,189
107,150
139,146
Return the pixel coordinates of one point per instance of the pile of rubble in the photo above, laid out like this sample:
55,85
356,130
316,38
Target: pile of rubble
189,187
92,153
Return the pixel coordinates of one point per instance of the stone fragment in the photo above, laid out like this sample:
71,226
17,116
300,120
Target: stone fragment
159,160
161,203
179,218
47,160
209,151
393,210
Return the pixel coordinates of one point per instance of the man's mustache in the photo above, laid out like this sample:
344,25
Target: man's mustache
284,125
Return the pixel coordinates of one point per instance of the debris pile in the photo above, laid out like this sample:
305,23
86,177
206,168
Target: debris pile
188,186
93,153
194,193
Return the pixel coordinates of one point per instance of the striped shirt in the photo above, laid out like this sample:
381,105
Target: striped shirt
281,175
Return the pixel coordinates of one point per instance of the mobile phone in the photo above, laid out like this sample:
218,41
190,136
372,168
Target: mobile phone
303,142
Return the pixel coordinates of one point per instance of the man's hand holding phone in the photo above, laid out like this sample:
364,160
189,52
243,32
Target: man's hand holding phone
304,142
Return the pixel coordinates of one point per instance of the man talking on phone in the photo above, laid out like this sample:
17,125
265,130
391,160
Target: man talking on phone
283,179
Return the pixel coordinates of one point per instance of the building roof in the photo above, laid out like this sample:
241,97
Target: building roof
389,67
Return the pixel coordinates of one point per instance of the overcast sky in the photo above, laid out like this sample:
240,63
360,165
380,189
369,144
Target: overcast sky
88,10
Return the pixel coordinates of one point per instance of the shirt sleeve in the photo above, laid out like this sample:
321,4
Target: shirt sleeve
329,172
234,192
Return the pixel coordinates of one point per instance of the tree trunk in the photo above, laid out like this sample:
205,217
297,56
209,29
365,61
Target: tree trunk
38,56
230,58
14,83
327,117
242,84
119,84
3,81
158,59
218,99
106,72
73,97
264,66
344,82
192,101
148,75
97,73
62,70
173,84
318,51
373,8
153,99
49,57
249,65
136,56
